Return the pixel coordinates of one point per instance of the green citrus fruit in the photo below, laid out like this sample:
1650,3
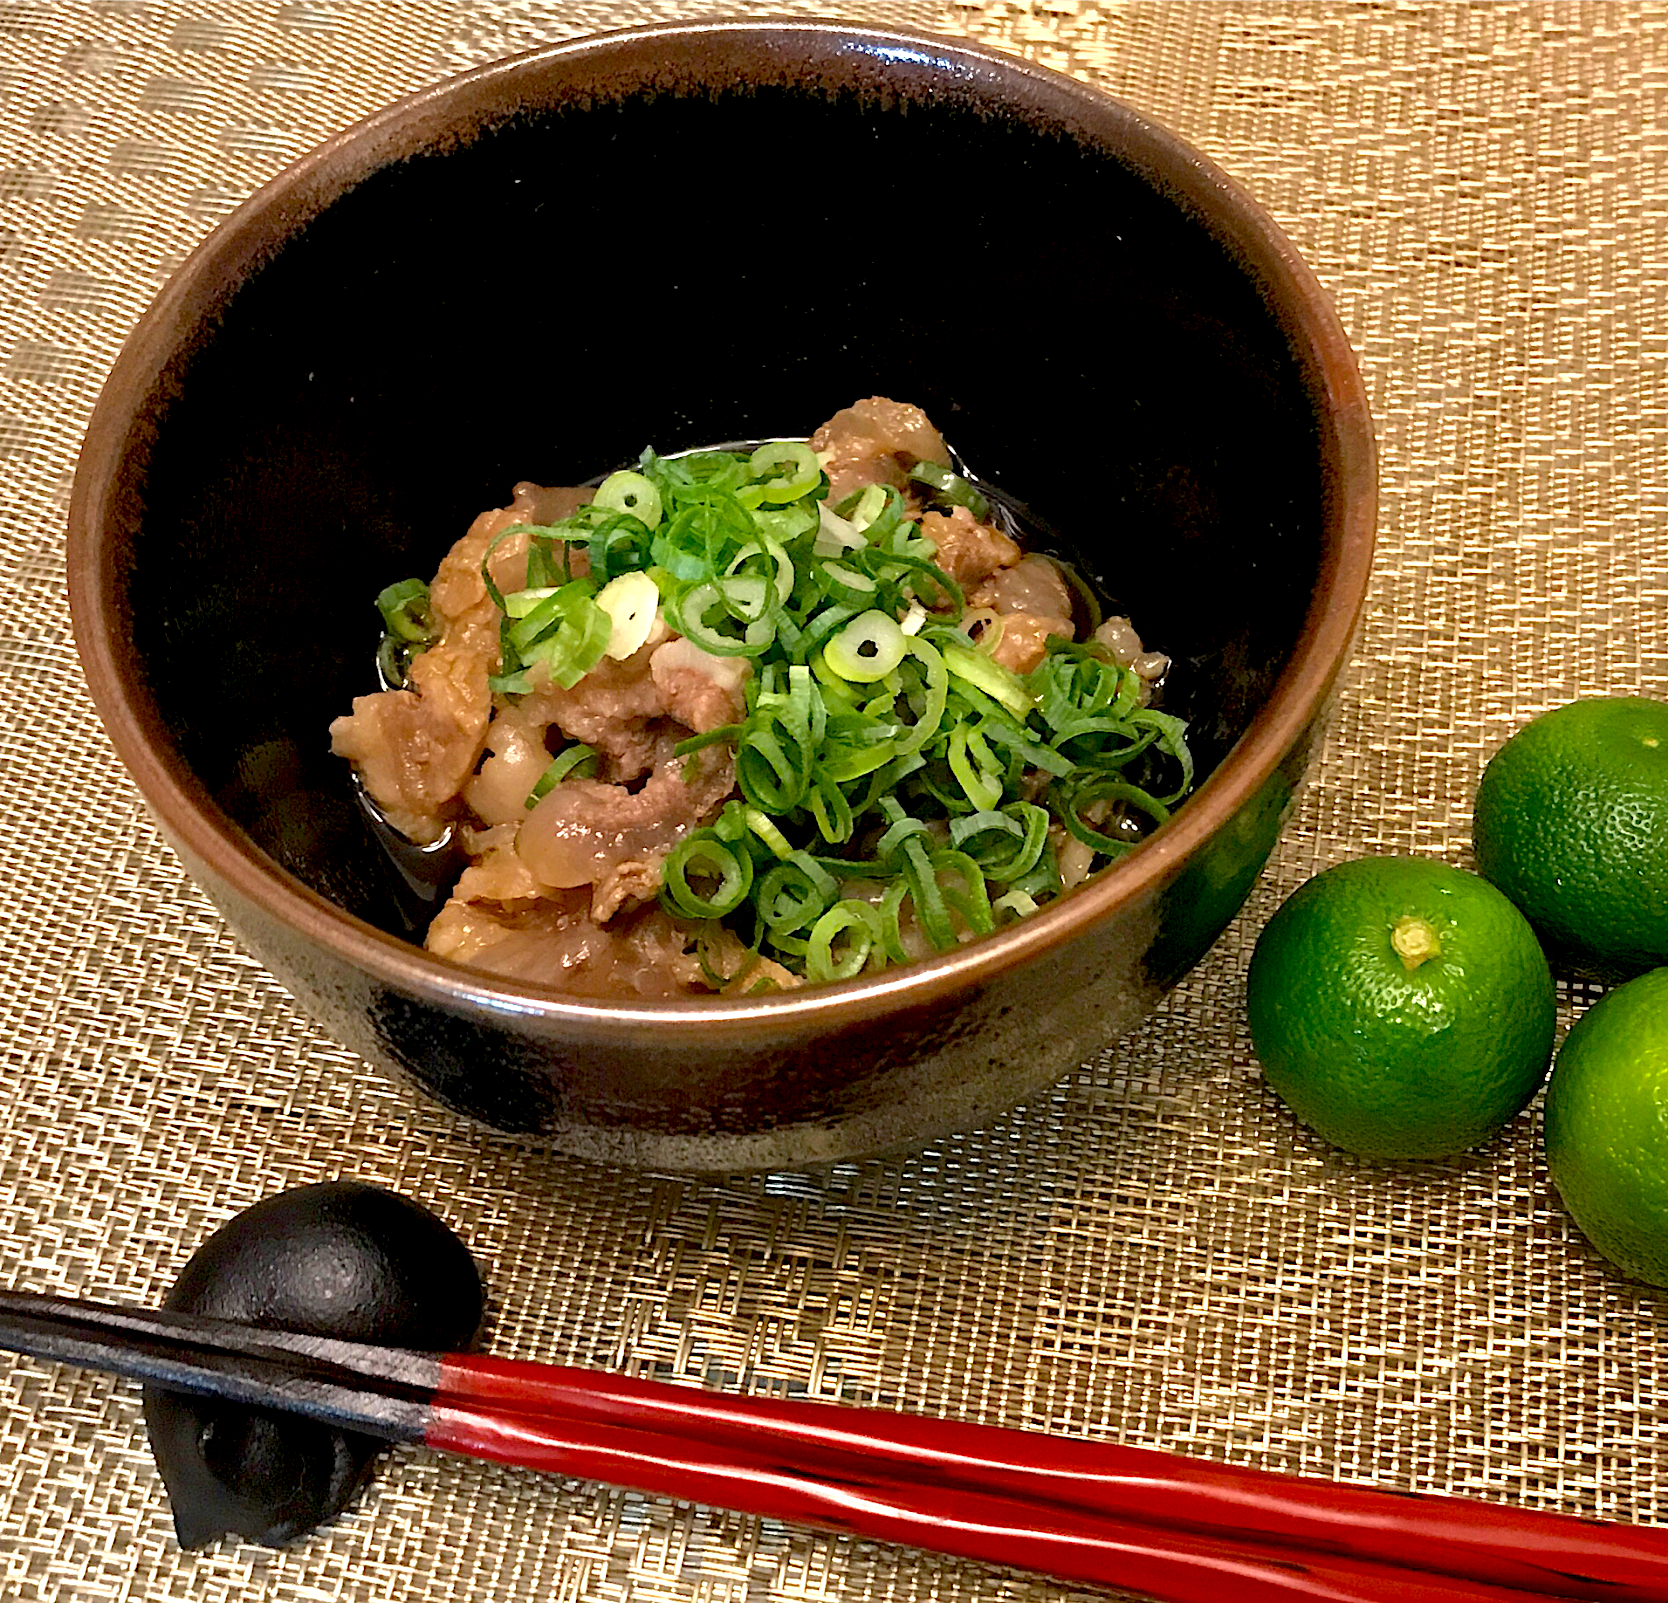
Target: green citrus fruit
1607,1126
1402,1008
1572,823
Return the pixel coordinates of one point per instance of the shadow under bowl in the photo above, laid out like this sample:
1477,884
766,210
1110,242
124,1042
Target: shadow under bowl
677,236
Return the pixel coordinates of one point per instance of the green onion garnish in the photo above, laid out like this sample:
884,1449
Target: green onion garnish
408,628
867,648
785,470
576,759
630,492
893,780
705,877
950,489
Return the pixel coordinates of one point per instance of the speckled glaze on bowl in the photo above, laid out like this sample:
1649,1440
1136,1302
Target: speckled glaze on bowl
478,285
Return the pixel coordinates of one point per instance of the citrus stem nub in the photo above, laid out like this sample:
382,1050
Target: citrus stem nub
1414,940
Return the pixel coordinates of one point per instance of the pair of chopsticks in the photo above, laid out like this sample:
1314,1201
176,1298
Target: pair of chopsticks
1183,1530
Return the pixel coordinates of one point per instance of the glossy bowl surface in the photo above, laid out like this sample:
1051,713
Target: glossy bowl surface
677,236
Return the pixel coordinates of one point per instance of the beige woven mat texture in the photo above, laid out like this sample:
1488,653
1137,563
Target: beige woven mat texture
1154,1252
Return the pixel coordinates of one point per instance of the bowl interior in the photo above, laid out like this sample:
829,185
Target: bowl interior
536,274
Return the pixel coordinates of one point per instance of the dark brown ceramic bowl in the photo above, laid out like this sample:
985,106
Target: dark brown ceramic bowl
680,236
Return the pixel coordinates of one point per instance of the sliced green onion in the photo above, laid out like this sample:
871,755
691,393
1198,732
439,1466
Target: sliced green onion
831,810
746,596
871,502
576,646
972,826
848,585
775,758
570,760
1022,831
971,900
926,895
1042,879
820,628
891,933
706,944
542,572
786,524
904,828
617,545
537,611
859,924
698,604
761,826
521,603
487,579
1171,735
794,893
408,626
712,737
392,660
1028,750
982,785
991,626
950,487
868,648
930,714
946,598
702,855
631,602
835,534
633,493
786,470
784,575
841,767
991,677
1093,790
405,610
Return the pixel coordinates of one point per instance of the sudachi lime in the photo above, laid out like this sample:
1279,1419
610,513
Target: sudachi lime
1571,822
1607,1125
1402,1008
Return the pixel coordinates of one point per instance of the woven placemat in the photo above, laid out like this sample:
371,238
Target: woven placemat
1154,1252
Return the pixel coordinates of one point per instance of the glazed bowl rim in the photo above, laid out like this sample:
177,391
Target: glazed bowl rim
196,824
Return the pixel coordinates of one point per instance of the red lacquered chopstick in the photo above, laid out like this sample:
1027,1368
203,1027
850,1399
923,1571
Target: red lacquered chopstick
1488,1543
1071,1545
1185,1531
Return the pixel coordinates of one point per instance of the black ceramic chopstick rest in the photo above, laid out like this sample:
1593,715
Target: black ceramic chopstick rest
341,1259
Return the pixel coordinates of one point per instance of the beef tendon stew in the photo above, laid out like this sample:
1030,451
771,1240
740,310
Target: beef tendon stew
739,721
